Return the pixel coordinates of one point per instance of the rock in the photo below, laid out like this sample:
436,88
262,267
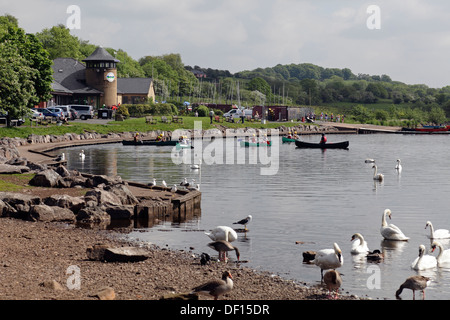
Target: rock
52,284
62,171
74,204
11,169
46,178
123,193
20,161
103,197
107,180
105,293
102,252
42,212
119,212
93,215
96,252
20,203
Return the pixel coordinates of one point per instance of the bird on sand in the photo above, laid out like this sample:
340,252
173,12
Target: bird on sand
204,258
244,221
216,288
333,281
223,247
414,283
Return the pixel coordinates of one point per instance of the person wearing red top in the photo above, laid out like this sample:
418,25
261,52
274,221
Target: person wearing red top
324,139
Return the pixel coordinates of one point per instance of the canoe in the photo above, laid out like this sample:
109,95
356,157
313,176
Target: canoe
286,139
328,145
255,144
180,146
149,143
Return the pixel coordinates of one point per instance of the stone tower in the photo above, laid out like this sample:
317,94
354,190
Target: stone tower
101,74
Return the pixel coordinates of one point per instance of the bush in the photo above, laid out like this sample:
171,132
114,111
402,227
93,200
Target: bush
123,110
203,111
140,110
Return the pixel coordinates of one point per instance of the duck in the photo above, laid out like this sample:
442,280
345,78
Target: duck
414,283
244,221
398,166
223,247
424,261
443,258
437,234
153,183
82,155
377,176
222,233
333,281
376,255
391,232
359,246
216,288
329,259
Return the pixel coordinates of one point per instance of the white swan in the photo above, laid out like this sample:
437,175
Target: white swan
376,175
398,167
359,246
443,258
437,234
82,155
222,233
329,259
424,261
391,232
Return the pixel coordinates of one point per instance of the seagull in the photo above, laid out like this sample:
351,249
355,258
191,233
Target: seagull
82,155
216,288
195,166
61,157
192,188
184,183
192,184
164,183
174,188
153,183
244,221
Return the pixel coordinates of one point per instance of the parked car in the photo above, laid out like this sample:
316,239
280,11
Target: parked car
47,113
58,111
84,111
35,114
65,110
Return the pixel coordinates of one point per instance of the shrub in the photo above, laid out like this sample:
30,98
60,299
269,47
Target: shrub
203,111
123,110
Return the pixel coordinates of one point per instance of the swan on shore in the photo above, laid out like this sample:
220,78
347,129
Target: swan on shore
443,258
437,234
377,176
359,245
329,259
424,261
391,231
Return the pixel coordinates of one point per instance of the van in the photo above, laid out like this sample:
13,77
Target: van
84,112
65,110
236,113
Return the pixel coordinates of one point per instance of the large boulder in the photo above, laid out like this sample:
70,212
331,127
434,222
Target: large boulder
42,212
103,197
47,178
123,193
18,204
95,214
11,169
74,204
119,212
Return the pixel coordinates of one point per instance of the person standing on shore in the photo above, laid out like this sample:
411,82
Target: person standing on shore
211,115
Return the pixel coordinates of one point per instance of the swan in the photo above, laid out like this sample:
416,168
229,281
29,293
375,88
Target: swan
443,257
437,234
329,259
424,261
414,283
216,288
398,167
222,233
391,232
376,175
82,155
359,246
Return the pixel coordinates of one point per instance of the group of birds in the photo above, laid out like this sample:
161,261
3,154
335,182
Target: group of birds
222,237
331,259
62,156
379,176
184,184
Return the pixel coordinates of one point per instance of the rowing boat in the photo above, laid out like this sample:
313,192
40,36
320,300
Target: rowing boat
335,145
256,144
286,139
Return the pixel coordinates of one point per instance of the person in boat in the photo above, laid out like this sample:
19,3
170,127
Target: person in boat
296,135
136,137
323,140
289,135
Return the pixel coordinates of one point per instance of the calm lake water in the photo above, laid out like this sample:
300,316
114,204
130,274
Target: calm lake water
316,197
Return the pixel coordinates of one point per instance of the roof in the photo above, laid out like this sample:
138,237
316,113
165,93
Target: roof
133,85
100,54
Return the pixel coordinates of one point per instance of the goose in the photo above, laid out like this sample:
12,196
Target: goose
398,167
333,281
439,233
153,183
359,246
61,157
377,176
184,183
424,261
82,155
391,232
222,233
164,184
223,247
244,221
216,288
443,258
375,255
329,259
414,283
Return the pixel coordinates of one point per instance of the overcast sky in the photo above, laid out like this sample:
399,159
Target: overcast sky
410,41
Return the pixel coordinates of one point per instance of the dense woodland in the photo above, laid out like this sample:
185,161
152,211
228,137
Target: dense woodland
361,97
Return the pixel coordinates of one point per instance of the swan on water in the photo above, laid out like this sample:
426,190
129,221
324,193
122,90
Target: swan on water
391,232
377,176
360,245
329,259
398,166
222,233
424,261
82,155
439,233
443,258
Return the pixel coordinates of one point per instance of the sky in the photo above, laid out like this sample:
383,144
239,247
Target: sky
406,40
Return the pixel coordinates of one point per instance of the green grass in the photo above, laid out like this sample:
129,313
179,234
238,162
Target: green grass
6,184
130,125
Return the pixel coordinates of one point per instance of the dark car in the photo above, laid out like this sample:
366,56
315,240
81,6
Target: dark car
47,113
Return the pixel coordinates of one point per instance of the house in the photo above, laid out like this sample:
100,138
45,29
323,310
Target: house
95,82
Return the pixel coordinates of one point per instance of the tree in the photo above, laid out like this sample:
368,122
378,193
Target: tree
60,43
